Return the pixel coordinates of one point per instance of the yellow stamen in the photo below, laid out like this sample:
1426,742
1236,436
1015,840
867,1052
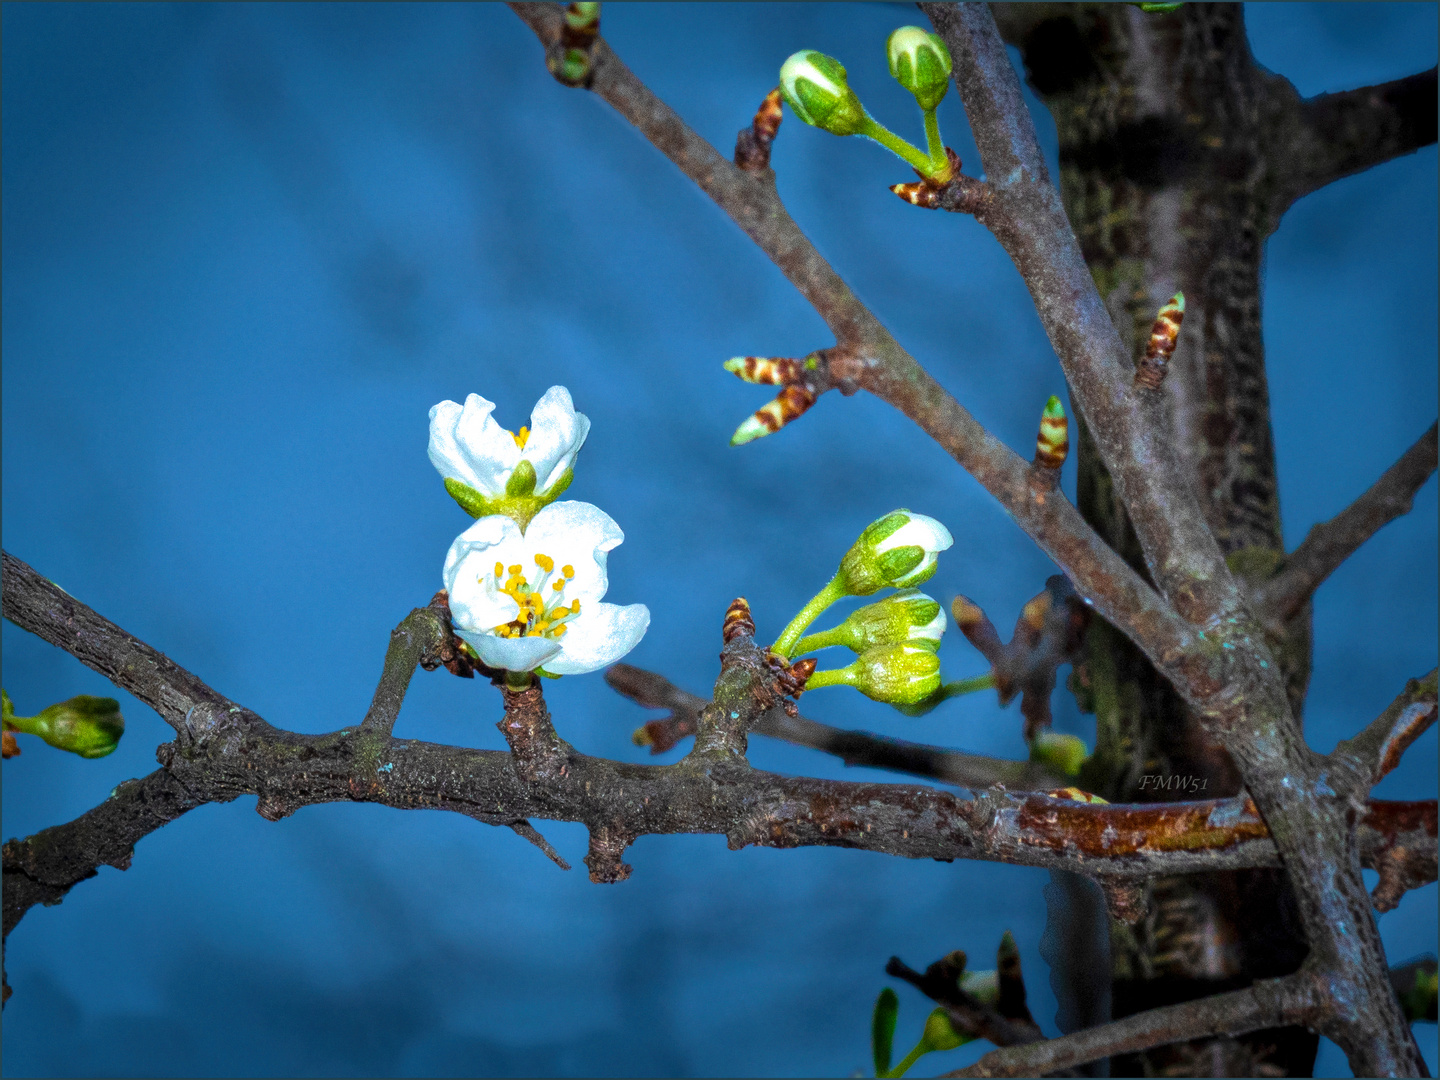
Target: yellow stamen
568,571
559,586
499,571
545,563
559,631
520,439
517,568
575,608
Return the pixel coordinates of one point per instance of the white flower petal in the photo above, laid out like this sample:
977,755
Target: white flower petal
557,432
475,602
578,534
512,654
920,531
466,444
598,636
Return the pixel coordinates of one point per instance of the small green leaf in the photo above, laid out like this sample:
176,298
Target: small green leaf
882,1029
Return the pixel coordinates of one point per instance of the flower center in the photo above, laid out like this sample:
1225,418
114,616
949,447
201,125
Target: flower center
542,610
520,439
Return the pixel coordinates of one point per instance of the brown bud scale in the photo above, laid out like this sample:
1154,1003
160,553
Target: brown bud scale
1163,335
792,402
1053,442
737,621
752,144
772,370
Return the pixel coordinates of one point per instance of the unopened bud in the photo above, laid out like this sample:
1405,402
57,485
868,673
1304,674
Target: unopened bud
84,725
1053,442
901,549
1063,754
940,1033
983,986
894,674
920,62
908,616
816,88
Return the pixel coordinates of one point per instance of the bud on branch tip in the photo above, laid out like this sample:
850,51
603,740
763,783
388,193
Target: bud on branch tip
1053,442
1163,335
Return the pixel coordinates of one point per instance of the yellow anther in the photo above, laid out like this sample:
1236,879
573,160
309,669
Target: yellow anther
575,608
545,562
568,570
541,627
559,586
559,631
499,571
517,569
520,439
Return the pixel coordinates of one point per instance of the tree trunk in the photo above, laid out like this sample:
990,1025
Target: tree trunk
1165,126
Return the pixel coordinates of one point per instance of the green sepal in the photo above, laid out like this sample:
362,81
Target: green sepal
882,1029
545,674
470,500
558,488
898,562
522,481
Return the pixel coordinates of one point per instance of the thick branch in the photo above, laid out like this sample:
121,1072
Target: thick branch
1268,1004
973,771
1332,136
1332,542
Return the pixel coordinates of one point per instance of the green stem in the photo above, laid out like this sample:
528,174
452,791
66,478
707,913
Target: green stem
873,129
967,686
903,1066
823,640
519,680
932,140
785,643
836,677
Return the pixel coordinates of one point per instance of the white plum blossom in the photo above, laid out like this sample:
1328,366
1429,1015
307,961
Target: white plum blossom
470,448
532,599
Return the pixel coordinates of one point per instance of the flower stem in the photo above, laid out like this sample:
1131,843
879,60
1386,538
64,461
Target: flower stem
903,1066
932,139
968,686
814,642
785,643
518,680
877,131
836,677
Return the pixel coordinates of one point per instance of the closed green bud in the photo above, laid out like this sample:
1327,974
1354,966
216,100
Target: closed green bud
894,674
940,1033
920,62
84,725
816,89
899,550
908,616
1063,754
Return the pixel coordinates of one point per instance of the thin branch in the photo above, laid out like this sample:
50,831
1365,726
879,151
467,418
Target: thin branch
856,748
1332,542
1332,136
1376,751
941,984
415,641
1267,1004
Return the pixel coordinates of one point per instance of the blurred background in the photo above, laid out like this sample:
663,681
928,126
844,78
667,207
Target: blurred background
246,248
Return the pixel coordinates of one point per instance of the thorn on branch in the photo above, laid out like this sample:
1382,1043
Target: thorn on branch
752,144
571,59
524,829
1166,331
607,845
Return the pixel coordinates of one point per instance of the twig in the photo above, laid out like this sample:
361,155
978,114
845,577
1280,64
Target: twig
941,984
1332,542
1267,1004
862,748
1332,136
1377,750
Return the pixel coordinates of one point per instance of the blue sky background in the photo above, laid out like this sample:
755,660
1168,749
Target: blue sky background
246,248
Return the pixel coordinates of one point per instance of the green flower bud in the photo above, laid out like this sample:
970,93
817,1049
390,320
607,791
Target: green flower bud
1063,754
817,90
907,616
882,1029
84,725
894,674
899,550
920,62
940,1033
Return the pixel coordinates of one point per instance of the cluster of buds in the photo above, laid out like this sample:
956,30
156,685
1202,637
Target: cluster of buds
817,89
571,58
801,382
1153,365
84,725
895,639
